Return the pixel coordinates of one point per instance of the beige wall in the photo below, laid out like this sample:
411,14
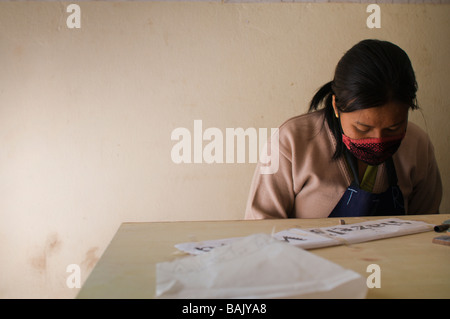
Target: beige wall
86,114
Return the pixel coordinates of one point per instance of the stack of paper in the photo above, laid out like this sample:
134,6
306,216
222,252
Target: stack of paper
257,266
327,236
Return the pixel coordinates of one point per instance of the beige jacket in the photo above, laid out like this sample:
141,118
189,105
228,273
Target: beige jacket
309,184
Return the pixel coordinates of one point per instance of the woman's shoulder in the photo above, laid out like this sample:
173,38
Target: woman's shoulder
300,131
303,125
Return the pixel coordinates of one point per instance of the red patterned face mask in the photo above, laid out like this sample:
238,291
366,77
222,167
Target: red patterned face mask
373,151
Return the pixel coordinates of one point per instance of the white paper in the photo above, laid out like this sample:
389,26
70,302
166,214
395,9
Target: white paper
304,238
257,266
326,236
196,248
372,230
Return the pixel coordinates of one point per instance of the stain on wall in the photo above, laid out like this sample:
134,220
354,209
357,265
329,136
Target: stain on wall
51,246
91,258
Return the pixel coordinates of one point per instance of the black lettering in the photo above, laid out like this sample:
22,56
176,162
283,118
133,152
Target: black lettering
288,238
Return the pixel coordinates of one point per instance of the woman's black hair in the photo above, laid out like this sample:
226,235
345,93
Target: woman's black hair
372,73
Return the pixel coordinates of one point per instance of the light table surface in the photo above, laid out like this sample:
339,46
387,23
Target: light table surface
411,266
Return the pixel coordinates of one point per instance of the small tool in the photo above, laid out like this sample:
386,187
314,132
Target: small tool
443,227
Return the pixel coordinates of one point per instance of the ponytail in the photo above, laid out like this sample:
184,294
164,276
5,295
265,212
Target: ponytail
324,93
324,96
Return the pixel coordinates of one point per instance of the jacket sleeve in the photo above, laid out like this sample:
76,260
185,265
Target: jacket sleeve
271,195
427,192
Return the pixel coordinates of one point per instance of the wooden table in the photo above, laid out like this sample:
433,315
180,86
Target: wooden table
411,266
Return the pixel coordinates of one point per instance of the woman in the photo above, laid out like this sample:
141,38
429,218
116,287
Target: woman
358,155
